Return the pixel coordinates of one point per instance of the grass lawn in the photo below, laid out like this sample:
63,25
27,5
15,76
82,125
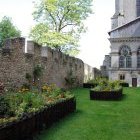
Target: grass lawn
99,120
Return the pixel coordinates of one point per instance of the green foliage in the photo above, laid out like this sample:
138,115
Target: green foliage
28,77
106,85
21,104
7,30
3,106
60,23
37,71
55,93
97,80
70,79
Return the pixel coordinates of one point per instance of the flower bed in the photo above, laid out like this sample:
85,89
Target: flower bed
106,95
24,128
106,90
27,111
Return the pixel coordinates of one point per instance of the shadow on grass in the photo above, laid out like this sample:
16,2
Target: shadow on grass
124,97
69,117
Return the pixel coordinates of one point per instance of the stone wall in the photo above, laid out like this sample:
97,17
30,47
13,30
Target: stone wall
90,73
15,63
125,11
12,63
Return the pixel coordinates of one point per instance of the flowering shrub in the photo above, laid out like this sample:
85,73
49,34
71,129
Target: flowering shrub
48,88
17,105
24,89
106,85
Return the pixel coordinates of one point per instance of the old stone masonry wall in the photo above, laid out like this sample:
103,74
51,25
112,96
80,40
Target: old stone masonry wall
15,64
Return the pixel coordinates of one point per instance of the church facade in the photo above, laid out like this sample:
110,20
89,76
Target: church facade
125,42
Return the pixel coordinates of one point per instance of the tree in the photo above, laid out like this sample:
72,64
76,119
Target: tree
60,23
7,30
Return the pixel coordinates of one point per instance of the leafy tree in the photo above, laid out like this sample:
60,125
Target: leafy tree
60,23
7,30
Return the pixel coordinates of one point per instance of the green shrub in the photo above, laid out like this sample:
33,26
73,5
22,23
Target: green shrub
106,85
4,106
38,70
17,105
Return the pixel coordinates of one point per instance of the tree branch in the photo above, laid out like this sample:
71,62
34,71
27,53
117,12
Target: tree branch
69,24
61,21
52,17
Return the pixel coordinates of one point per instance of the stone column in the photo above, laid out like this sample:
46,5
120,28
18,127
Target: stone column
114,60
117,6
134,59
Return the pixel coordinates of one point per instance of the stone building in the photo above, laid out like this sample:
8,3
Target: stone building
125,42
90,73
105,67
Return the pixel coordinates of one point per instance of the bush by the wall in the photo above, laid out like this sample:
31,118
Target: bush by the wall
124,84
89,85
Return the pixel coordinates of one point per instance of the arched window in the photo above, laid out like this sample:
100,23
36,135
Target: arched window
125,57
138,57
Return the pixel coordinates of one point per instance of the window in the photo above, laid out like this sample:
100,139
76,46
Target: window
138,57
138,61
122,77
122,62
125,57
138,8
128,62
109,61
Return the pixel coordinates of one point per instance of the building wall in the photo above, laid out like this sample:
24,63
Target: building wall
134,44
106,65
114,75
125,31
15,63
125,11
96,73
129,73
90,73
129,11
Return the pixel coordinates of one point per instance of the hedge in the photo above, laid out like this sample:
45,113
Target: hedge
106,95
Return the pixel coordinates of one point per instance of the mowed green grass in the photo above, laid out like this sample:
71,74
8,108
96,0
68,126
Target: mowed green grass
99,120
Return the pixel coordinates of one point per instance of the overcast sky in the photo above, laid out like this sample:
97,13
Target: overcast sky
94,43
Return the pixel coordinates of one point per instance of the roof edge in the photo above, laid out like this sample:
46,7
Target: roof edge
137,19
